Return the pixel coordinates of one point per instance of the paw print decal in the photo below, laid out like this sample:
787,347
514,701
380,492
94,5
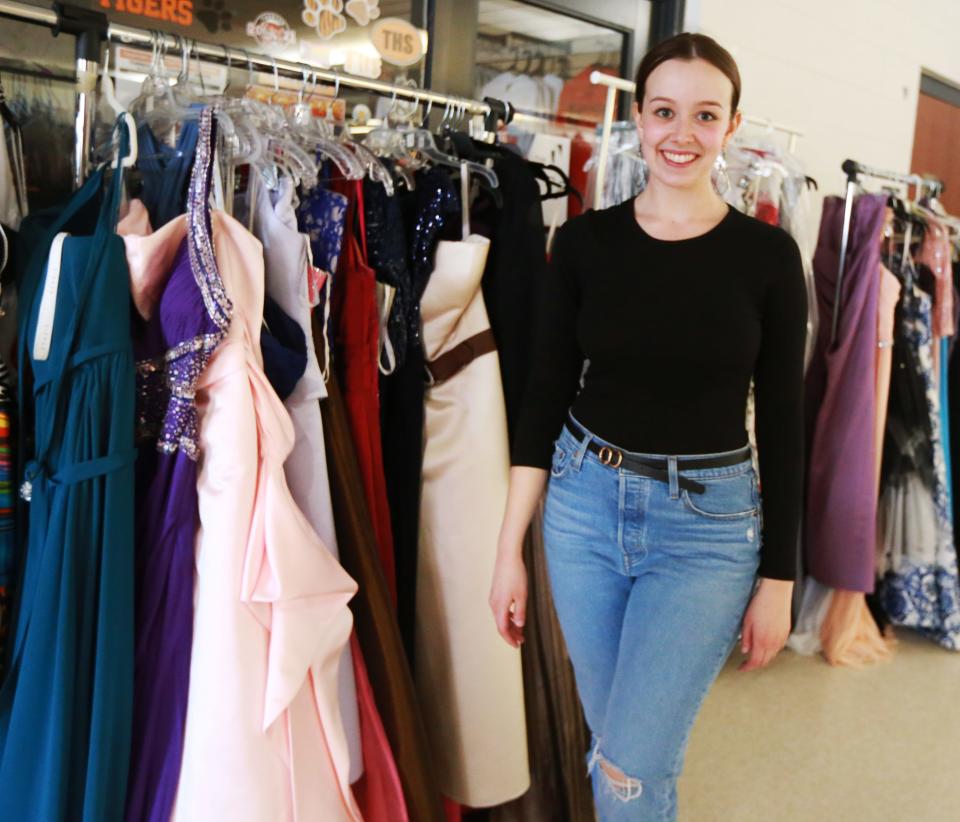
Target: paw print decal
363,11
325,16
215,16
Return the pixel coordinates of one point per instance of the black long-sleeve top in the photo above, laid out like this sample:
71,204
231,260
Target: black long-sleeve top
673,332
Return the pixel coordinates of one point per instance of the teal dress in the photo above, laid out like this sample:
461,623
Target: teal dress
66,705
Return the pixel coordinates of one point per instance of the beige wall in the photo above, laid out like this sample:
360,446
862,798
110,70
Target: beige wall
845,72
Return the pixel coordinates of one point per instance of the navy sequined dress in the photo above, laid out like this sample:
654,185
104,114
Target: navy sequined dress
430,211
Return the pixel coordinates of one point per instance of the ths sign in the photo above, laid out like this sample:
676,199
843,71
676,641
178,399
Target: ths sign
173,11
398,41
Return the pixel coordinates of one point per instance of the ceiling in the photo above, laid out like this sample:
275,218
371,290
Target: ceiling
497,16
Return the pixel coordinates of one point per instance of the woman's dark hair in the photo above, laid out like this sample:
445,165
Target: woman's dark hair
689,46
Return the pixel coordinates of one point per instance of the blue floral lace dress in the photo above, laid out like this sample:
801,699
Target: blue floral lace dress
917,561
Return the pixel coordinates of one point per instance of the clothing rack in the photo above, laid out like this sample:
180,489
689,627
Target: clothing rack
615,84
854,171
92,29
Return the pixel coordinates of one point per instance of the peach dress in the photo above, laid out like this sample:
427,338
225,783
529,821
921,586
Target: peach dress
264,738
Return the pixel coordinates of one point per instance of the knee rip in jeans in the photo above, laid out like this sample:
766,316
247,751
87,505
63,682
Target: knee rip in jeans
623,787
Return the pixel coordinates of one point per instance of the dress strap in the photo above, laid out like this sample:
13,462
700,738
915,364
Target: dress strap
361,221
203,261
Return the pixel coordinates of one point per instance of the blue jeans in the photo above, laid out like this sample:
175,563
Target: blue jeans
650,584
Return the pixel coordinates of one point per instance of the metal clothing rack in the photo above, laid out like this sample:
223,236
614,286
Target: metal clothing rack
92,29
854,171
615,84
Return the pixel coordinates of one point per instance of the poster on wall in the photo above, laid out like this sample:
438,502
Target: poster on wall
328,33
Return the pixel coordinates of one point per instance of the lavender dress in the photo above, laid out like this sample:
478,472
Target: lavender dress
840,388
183,316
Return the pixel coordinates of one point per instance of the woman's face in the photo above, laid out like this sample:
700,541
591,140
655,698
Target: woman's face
685,121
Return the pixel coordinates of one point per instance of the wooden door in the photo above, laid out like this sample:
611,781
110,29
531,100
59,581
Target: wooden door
936,138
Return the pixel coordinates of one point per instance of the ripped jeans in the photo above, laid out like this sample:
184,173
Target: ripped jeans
650,583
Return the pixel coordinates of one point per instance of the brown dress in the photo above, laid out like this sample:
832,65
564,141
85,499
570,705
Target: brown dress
375,621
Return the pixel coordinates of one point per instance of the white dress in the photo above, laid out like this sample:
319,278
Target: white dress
468,679
286,257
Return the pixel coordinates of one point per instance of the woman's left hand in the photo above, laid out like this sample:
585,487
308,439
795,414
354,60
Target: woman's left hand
766,625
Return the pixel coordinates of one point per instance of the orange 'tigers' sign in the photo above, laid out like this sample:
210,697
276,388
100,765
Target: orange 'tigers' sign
173,11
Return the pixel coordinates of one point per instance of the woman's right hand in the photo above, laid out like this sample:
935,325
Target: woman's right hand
508,593
508,596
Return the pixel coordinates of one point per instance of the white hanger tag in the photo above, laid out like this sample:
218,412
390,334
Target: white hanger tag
48,302
217,182
465,199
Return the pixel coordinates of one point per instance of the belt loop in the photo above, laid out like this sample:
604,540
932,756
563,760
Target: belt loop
581,449
674,477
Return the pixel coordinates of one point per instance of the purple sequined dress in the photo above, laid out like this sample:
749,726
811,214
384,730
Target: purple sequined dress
183,315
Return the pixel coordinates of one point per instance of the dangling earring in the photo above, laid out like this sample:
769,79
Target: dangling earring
720,178
642,172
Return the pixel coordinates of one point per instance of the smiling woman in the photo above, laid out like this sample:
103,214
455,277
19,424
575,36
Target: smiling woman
654,529
685,121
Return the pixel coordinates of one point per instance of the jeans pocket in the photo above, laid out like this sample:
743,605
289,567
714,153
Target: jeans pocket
724,498
560,463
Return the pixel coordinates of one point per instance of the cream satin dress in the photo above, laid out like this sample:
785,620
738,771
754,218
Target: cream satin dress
468,679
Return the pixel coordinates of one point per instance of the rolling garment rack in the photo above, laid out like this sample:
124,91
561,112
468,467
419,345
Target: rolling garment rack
854,171
616,84
92,29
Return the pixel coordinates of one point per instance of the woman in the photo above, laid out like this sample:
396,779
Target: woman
652,523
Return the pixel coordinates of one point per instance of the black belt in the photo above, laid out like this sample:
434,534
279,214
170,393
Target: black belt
659,469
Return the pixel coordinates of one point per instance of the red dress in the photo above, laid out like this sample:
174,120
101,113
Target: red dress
379,792
356,353
356,350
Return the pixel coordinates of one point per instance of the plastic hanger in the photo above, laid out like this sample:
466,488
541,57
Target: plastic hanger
4,259
245,144
8,116
388,142
161,107
257,121
157,103
275,152
109,94
16,151
564,188
528,55
310,131
6,251
422,141
371,165
298,163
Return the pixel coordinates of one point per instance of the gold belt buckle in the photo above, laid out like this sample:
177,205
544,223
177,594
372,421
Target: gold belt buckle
606,455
